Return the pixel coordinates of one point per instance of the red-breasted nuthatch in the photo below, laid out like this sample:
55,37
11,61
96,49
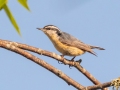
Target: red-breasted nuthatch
66,43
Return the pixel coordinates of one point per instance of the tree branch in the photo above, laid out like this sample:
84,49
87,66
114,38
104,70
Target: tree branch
57,57
40,62
99,86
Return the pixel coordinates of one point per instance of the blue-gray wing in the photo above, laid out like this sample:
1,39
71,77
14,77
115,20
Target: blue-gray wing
74,42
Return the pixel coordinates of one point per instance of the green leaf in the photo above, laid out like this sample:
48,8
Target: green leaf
2,3
24,4
11,18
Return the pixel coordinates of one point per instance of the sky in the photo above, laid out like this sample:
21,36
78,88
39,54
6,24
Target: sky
94,22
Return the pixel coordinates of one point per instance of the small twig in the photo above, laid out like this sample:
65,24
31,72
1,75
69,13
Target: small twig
99,86
115,83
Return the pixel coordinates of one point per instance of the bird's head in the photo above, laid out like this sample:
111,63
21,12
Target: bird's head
50,30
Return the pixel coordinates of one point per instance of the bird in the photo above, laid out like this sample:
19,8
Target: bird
67,44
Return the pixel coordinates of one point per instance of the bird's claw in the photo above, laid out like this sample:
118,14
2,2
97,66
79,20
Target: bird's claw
60,62
79,61
72,60
70,66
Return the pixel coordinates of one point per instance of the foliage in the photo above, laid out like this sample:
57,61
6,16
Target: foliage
4,6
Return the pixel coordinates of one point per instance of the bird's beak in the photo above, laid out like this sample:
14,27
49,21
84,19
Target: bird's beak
40,29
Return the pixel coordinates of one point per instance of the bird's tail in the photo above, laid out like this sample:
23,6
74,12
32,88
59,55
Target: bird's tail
96,47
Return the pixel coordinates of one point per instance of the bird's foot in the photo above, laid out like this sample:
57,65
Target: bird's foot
70,66
79,61
72,60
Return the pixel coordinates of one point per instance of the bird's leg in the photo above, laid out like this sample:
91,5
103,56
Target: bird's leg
73,58
72,61
62,58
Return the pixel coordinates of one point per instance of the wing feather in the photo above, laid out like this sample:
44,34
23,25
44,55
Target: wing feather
74,42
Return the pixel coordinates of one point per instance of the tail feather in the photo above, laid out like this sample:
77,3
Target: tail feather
92,52
95,47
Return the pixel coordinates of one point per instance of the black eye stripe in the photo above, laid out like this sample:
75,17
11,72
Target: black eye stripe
47,28
52,29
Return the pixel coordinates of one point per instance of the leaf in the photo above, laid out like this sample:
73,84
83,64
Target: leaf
2,3
24,4
11,18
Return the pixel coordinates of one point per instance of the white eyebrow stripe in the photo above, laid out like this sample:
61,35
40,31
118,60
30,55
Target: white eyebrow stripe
52,26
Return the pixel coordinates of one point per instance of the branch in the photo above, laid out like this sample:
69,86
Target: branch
57,57
15,47
99,86
40,62
115,83
76,64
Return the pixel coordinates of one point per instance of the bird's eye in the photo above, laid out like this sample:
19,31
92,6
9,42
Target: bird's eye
58,33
